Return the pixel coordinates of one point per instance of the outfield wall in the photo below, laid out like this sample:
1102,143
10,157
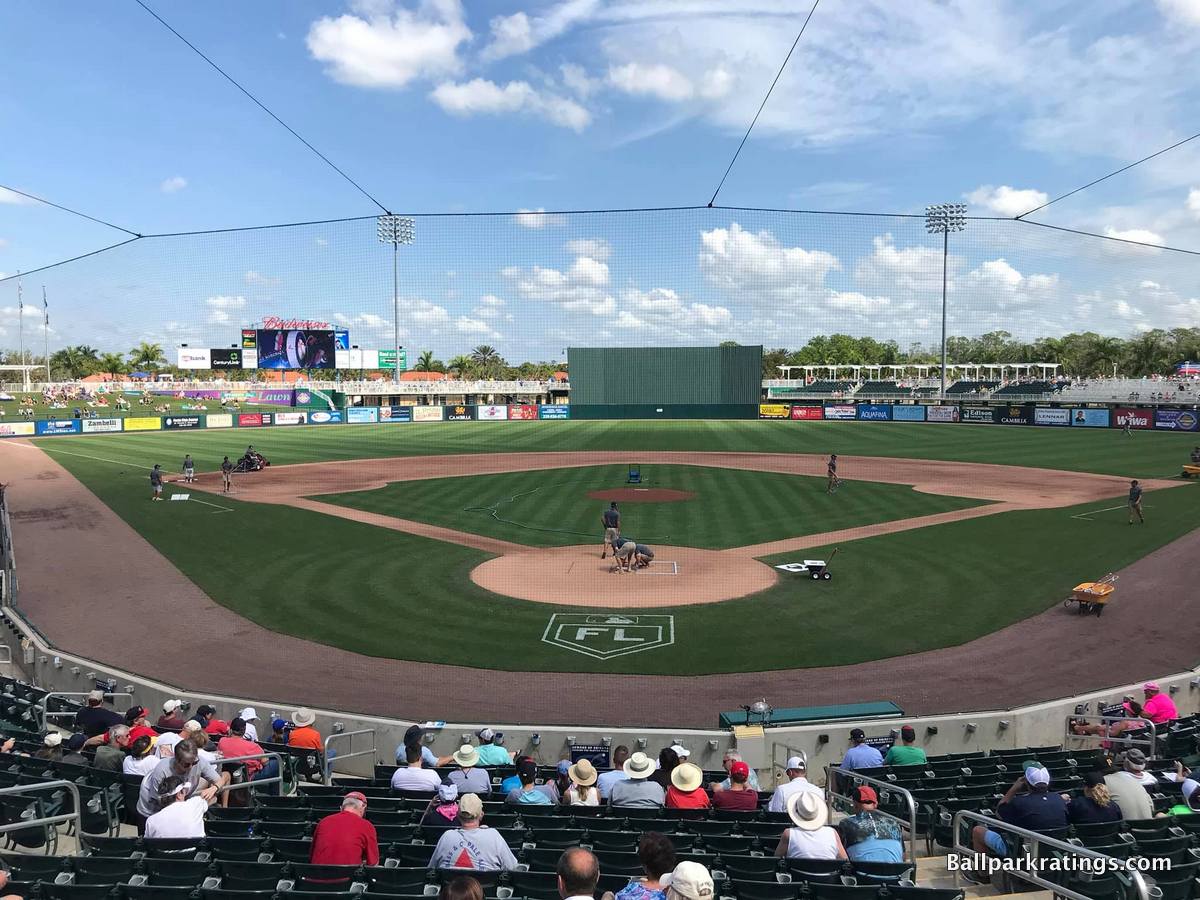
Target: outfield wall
1037,415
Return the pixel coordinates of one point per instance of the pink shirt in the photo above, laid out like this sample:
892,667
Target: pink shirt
1160,708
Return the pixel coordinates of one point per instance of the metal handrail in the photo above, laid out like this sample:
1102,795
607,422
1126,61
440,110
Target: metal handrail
268,755
909,800
353,753
76,814
43,713
1034,842
1147,742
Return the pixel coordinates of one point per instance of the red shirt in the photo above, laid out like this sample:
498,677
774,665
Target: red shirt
677,799
231,745
728,799
344,839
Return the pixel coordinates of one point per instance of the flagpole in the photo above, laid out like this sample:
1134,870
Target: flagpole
46,330
21,332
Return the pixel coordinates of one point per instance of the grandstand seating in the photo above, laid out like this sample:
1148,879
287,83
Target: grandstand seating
971,387
824,388
883,389
1026,389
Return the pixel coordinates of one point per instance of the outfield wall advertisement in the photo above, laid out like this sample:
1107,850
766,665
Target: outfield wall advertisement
220,420
291,418
323,417
1176,419
1013,415
1090,418
905,413
522,411
874,412
1125,417
557,411
362,415
1043,416
143,423
17,429
839,410
774,410
56,426
942,414
491,413
460,413
183,422
101,426
427,413
808,413
396,413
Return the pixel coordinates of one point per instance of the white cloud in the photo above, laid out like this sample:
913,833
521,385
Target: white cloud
31,311
578,81
321,242
490,307
596,248
1005,200
3,243
481,96
519,33
856,303
536,218
173,184
388,46
581,288
995,285
904,271
14,199
758,268
651,80
1193,202
476,327
1137,235
226,302
1185,12
258,278
425,313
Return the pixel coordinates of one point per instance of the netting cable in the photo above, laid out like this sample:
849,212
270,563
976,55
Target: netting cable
66,209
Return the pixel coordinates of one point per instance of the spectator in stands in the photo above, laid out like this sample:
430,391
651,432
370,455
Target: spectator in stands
467,778
529,793
689,881
442,811
171,720
204,714
249,715
637,789
732,756
94,719
578,874
1029,804
1159,708
279,731
562,778
868,835
414,776
199,738
491,753
861,755
74,755
110,756
1126,788
1095,804
137,718
3,865
141,761
656,853
607,779
51,748
303,734
461,887
668,759
415,736
583,790
236,744
904,753
1187,787
739,795
513,780
811,837
796,769
687,788
200,776
346,838
472,845
180,815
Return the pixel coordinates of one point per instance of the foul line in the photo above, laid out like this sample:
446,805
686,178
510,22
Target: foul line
213,505
117,462
1085,516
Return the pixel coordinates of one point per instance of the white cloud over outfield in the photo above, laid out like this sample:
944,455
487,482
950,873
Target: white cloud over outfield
1005,200
221,308
757,267
173,185
536,218
481,96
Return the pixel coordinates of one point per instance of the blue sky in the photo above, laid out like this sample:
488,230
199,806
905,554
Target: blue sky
441,106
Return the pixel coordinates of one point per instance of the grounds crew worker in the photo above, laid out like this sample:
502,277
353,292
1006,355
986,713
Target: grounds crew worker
611,520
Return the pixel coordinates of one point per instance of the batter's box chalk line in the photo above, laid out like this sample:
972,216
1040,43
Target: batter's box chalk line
655,562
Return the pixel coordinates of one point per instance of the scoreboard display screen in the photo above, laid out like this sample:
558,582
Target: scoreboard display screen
294,348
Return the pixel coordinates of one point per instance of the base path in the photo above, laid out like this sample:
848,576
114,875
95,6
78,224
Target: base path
574,576
94,587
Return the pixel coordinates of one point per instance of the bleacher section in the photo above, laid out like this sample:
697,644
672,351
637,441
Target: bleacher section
825,388
883,389
1026,389
971,387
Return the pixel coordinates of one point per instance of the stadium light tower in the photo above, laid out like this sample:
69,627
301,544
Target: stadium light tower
396,230
943,219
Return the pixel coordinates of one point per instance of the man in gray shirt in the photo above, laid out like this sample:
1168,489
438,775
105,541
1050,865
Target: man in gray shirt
186,763
473,846
637,790
467,778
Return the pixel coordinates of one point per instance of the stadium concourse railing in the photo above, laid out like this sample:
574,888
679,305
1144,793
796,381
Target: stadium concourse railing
1145,727
8,562
1078,865
837,779
23,824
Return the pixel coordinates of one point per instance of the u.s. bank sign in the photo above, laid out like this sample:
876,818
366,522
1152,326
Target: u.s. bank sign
604,636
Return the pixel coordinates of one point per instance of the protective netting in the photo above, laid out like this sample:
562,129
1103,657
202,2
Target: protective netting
530,285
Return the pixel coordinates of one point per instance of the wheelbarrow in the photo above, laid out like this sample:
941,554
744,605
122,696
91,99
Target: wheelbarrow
1092,596
818,569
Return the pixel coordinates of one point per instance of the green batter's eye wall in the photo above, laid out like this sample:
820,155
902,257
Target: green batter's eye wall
665,382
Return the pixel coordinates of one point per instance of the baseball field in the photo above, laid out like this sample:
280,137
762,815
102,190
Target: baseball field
398,541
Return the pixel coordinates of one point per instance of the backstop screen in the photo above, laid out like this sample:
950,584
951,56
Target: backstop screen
665,382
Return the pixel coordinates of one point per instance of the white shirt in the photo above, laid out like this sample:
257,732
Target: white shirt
779,799
251,732
133,766
819,844
165,745
590,796
182,819
414,778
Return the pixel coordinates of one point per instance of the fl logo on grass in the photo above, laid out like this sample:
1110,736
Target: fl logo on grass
604,636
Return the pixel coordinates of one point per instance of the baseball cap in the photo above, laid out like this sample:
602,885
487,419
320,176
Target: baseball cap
413,734
53,739
192,725
76,741
171,705
1036,775
527,767
564,766
857,734
447,792
796,762
134,713
690,880
681,751
278,724
1135,759
470,806
486,734
217,726
1150,686
357,795
864,793
206,710
908,733
739,770
249,714
96,695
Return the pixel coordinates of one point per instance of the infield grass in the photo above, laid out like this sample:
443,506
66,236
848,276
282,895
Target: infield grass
730,507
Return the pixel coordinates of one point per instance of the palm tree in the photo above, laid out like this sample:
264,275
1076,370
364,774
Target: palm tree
424,362
74,362
111,364
483,355
460,366
147,356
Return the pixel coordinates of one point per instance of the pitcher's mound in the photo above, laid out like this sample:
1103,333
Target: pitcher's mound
577,576
642,495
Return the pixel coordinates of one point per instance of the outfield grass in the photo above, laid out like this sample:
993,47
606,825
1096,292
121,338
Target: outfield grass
731,508
389,594
1106,451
